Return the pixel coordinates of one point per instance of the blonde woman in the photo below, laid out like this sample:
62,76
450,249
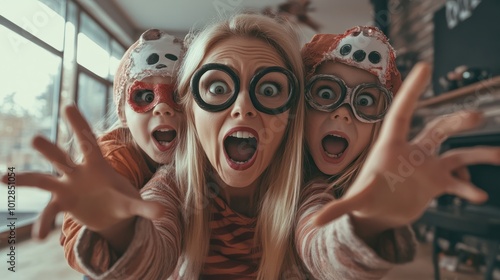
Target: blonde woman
241,85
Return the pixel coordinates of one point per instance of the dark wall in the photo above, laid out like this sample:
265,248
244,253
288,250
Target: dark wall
486,177
472,40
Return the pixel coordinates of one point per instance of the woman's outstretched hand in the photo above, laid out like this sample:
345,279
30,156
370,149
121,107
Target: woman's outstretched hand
91,191
400,177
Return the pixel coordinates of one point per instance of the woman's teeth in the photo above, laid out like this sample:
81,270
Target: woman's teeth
242,134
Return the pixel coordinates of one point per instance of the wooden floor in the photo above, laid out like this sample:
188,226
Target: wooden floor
45,260
421,269
38,260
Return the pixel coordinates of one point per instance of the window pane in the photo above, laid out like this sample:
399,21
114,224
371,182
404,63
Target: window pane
93,45
90,28
117,52
42,18
91,98
29,85
111,112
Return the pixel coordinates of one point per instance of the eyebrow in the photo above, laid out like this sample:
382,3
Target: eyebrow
256,70
264,67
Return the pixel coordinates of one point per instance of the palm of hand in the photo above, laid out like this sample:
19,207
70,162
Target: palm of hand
95,195
92,191
399,177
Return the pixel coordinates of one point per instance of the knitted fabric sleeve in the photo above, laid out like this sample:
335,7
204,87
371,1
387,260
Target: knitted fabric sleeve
335,252
129,164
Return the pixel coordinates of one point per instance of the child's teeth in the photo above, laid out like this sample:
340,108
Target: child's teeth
334,156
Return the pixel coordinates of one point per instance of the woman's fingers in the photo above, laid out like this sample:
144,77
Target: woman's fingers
397,121
42,181
467,191
456,158
86,139
462,173
436,132
45,221
54,154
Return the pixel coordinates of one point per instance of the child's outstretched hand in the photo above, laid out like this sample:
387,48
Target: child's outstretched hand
399,177
92,191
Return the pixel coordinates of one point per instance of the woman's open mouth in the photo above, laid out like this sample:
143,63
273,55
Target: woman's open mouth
164,137
334,147
240,147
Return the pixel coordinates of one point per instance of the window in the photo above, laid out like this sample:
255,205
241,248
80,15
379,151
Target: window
99,55
93,45
92,97
117,52
29,86
42,18
44,41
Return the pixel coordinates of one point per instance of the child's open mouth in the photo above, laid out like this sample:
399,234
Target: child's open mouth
164,138
334,145
240,148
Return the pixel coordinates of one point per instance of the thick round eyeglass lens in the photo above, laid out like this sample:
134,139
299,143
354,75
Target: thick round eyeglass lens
272,90
216,87
370,101
326,92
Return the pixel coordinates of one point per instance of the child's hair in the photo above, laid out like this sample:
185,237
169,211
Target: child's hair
141,60
278,195
363,47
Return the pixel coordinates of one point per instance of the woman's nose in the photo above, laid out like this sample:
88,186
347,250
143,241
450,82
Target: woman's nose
243,106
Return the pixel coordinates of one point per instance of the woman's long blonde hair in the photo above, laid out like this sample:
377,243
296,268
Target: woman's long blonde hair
278,196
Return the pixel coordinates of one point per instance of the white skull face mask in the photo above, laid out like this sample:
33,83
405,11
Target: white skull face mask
156,53
154,56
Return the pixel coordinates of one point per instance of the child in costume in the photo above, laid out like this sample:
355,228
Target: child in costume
351,80
364,55
144,137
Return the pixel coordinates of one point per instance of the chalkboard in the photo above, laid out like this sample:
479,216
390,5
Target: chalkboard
466,32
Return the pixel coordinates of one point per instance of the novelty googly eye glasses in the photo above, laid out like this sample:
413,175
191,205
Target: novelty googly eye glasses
272,90
368,101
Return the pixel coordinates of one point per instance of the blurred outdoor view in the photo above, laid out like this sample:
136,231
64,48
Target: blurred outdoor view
51,52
